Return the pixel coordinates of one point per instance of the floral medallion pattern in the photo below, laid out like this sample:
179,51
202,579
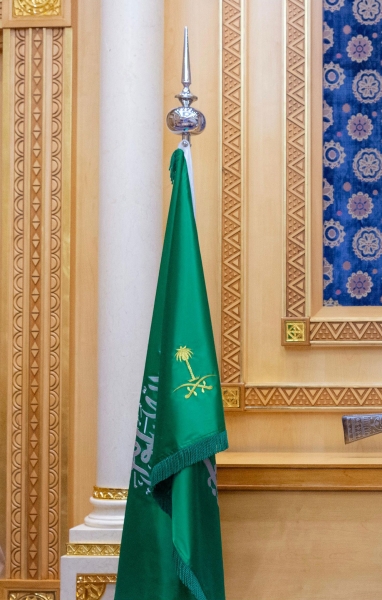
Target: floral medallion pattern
360,206
367,86
352,152
367,243
359,127
367,12
359,48
359,285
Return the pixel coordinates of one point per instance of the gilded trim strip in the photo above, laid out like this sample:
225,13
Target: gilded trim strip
110,493
93,549
312,397
232,189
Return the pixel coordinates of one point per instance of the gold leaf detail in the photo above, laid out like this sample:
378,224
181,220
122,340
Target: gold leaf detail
39,8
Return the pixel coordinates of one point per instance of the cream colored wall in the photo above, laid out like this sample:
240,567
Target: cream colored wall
302,545
202,18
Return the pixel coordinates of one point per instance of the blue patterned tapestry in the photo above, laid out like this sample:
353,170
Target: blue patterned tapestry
352,152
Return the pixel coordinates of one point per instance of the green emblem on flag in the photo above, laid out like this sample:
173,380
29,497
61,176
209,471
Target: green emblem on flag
171,543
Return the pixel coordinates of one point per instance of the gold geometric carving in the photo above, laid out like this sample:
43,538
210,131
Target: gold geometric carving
31,595
31,8
92,587
296,163
231,189
110,493
313,397
93,549
295,331
38,277
231,397
361,332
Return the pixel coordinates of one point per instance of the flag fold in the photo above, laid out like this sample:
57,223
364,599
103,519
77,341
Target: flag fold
171,543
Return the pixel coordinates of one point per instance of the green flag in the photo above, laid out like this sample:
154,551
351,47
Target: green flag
171,544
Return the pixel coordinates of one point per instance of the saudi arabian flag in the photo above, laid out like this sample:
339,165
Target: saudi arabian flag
171,544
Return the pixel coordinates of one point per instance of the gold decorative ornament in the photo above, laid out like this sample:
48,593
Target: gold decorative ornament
295,331
92,587
231,397
24,595
93,549
232,185
110,493
32,8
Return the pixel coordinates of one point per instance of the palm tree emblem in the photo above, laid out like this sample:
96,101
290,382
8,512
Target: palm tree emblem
184,354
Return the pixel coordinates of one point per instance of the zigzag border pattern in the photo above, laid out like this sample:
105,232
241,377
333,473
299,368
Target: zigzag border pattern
312,397
231,190
295,160
346,332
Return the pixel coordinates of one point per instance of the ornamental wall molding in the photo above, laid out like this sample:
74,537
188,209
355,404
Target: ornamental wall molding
35,277
296,163
312,397
232,188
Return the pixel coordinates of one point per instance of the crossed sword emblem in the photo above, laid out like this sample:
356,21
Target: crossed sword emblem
184,354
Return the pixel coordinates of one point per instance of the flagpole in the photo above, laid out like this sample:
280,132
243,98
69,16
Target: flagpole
186,120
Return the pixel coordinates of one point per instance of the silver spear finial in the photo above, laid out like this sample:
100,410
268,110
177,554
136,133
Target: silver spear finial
186,70
185,120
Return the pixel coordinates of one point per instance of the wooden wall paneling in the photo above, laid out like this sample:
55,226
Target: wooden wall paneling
84,259
280,471
35,311
301,545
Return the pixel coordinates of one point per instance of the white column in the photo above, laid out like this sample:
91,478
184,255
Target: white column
129,229
130,237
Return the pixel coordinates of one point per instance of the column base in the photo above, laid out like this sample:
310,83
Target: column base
106,514
88,577
89,568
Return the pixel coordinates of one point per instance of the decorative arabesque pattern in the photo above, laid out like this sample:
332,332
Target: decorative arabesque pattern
33,536
92,587
231,191
17,317
312,397
295,160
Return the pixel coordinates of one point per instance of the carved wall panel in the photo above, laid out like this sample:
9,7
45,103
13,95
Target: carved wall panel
296,160
37,96
232,189
313,397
